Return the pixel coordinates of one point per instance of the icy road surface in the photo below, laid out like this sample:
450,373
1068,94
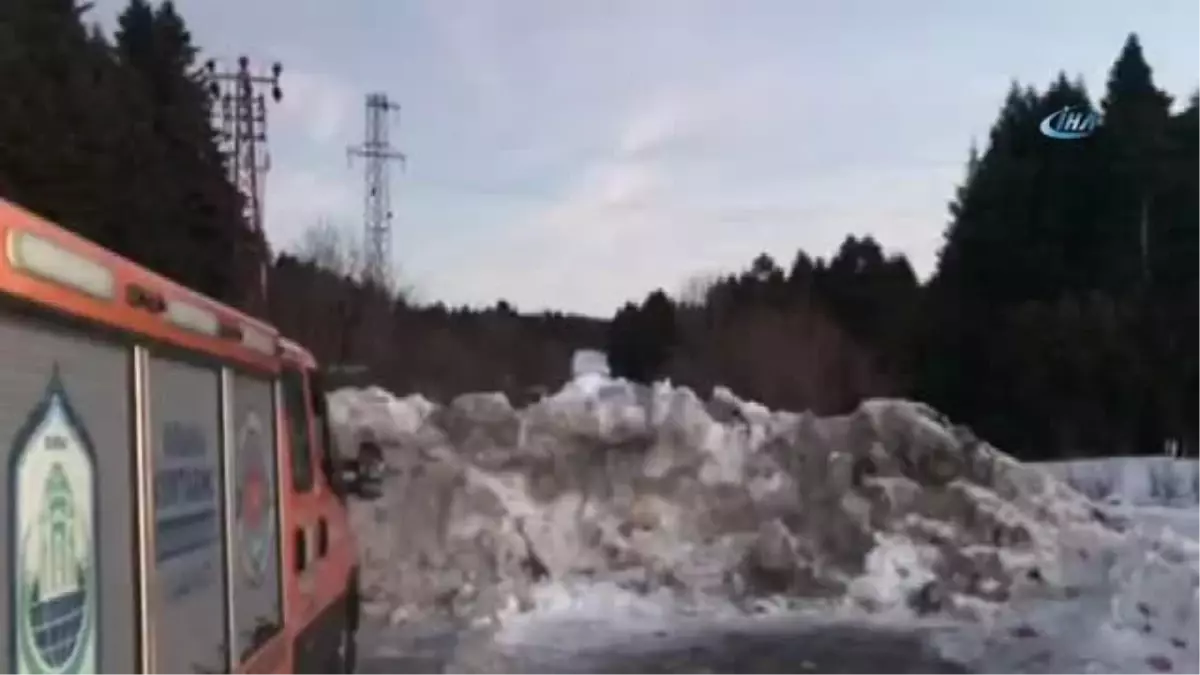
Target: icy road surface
766,646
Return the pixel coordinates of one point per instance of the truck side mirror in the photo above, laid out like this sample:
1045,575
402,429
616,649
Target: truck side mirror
366,471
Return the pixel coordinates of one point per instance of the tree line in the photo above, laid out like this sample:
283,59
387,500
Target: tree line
1060,321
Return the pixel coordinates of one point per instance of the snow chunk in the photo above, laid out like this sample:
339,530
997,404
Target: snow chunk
589,362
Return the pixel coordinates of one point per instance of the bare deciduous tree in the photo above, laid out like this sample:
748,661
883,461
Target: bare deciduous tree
332,249
694,292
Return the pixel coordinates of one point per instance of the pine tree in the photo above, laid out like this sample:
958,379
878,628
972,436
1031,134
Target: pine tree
1134,138
1044,327
989,248
641,338
1019,235
200,236
73,143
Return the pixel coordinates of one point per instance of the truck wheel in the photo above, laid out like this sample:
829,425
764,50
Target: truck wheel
347,653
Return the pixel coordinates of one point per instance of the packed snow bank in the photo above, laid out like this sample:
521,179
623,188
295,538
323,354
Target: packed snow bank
589,362
361,414
1163,481
723,504
1131,610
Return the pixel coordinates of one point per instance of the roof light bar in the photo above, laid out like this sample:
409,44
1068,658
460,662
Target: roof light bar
43,258
193,318
258,340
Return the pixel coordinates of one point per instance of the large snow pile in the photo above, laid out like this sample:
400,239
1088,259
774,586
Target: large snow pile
655,491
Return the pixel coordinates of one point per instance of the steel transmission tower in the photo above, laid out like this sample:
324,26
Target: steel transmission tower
239,113
377,204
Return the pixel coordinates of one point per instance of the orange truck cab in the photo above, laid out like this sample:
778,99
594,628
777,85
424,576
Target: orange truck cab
171,497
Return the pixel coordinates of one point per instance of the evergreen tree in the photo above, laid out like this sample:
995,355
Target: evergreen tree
202,231
641,339
1044,326
974,267
1009,243
1135,141
74,145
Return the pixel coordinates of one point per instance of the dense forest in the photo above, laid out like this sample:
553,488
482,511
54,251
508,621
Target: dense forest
1061,320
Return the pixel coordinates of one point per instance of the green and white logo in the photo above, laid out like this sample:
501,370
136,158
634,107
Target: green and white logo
53,586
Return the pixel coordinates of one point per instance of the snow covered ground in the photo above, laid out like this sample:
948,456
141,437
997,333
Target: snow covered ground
1133,612
612,528
1146,481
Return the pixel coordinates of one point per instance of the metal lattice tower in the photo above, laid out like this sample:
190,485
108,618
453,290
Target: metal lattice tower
239,113
377,203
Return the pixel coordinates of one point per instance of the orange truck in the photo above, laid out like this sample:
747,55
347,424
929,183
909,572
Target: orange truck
171,502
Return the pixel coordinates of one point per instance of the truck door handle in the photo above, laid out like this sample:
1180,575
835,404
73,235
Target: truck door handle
300,549
322,538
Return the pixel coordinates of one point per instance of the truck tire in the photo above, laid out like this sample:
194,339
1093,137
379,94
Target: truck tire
348,650
344,659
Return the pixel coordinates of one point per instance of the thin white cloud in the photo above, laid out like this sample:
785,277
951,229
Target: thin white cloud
613,235
644,217
657,124
298,199
319,105
466,38
649,141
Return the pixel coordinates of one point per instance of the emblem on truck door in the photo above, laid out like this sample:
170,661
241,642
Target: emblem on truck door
255,502
53,589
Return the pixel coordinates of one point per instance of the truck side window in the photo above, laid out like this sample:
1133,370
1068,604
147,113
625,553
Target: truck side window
328,457
320,409
296,408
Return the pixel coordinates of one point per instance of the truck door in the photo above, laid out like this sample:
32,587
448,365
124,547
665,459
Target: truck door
258,497
301,520
336,550
318,562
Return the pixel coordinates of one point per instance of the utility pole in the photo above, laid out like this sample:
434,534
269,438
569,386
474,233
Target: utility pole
377,205
239,110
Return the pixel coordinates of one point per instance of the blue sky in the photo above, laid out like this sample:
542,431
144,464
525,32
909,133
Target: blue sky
574,155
